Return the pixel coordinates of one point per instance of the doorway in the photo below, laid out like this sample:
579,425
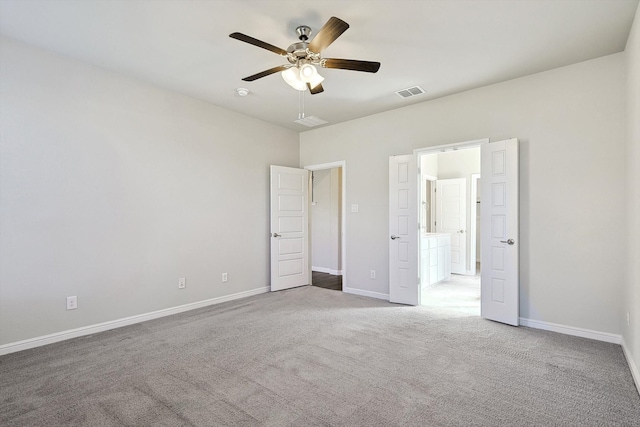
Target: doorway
449,200
327,231
500,244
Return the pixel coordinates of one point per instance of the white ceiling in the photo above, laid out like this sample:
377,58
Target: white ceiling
443,46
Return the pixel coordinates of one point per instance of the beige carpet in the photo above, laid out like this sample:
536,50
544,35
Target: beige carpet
315,357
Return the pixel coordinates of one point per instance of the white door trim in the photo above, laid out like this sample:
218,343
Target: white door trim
451,147
473,226
343,216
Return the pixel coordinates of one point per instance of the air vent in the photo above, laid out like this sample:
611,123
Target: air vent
311,121
409,92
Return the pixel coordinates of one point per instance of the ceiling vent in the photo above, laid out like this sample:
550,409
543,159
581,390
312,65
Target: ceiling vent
409,92
311,121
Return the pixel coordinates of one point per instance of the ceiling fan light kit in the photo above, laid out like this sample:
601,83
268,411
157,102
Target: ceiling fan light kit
292,77
304,56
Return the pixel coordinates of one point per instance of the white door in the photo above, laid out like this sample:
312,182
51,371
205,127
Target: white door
499,230
404,284
289,227
451,217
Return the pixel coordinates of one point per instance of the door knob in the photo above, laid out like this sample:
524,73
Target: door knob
277,235
394,237
461,231
510,241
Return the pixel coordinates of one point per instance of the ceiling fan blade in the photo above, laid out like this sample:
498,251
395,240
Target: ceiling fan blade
265,73
248,39
328,34
351,64
315,90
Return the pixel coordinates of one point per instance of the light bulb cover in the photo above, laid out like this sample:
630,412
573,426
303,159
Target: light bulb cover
307,71
309,74
292,77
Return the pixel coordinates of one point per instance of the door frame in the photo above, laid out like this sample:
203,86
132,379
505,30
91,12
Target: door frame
473,224
343,216
432,199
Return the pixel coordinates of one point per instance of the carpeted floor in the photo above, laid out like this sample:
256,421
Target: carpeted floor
315,357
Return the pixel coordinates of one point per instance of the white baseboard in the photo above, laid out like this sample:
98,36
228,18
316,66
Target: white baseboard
571,330
327,270
635,373
101,327
370,294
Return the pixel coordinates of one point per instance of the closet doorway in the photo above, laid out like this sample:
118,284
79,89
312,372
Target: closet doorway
327,225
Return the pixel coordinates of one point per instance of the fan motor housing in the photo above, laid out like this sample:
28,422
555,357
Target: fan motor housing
298,49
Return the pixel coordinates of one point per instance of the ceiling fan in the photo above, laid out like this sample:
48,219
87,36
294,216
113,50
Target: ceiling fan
303,56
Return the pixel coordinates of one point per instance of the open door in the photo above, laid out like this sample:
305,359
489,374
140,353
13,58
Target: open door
499,229
404,283
289,227
451,218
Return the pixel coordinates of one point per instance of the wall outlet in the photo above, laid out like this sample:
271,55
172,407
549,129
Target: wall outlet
373,274
225,277
355,208
628,323
182,283
72,303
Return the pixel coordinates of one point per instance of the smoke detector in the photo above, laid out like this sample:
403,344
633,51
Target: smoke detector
242,91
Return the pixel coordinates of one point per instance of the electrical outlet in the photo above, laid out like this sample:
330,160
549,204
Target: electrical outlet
182,283
628,323
355,208
373,274
225,277
72,303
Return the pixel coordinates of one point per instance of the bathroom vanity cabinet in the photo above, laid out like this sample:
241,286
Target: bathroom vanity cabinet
435,258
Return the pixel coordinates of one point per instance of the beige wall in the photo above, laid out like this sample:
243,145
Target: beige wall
113,189
459,164
631,333
570,122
